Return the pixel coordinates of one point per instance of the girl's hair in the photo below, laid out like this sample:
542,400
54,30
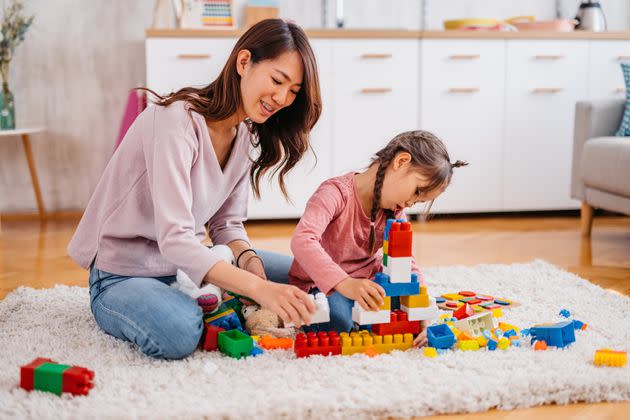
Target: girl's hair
428,155
284,137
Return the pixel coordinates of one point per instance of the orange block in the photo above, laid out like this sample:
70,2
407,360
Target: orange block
268,342
540,345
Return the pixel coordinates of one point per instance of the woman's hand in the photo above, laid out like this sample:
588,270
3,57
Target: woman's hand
369,294
254,265
421,340
290,303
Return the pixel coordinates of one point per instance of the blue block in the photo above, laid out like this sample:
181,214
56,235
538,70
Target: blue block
440,336
398,289
565,313
509,333
439,299
492,345
577,325
558,335
388,226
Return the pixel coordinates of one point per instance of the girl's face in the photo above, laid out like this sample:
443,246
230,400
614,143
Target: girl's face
269,85
404,186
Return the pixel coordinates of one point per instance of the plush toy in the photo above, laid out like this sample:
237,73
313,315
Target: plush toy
262,322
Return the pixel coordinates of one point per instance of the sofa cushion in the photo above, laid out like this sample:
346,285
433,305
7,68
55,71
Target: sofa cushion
606,164
624,127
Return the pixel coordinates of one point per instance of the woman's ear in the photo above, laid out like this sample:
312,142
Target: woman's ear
243,59
402,159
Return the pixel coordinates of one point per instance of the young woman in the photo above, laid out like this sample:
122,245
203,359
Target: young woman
186,164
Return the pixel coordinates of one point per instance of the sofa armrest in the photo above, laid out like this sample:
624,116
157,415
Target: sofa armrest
592,119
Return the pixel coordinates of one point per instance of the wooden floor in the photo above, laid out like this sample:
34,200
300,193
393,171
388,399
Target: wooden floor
34,254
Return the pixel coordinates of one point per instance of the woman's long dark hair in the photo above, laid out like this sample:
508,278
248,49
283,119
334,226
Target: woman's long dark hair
284,137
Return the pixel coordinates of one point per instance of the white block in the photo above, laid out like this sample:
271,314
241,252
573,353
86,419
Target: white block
422,314
363,317
322,311
476,324
399,269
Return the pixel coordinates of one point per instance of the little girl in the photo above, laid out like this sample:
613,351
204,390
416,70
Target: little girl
337,242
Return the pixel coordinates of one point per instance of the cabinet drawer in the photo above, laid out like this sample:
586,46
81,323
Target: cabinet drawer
605,76
173,63
546,67
462,63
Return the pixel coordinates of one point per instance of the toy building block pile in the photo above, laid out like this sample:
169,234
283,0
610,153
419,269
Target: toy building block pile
47,375
398,280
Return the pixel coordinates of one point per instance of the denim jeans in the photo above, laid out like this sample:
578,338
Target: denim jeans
162,321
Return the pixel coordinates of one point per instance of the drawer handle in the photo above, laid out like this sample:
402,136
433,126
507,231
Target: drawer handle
193,56
620,90
376,90
547,90
624,58
464,57
463,90
371,56
548,57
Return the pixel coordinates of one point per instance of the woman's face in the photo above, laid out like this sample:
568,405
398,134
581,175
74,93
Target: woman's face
269,85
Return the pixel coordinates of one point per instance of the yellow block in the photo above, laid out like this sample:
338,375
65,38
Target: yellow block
359,342
387,304
452,296
504,343
477,308
430,352
456,332
483,341
468,345
415,301
607,357
385,246
507,327
497,313
256,338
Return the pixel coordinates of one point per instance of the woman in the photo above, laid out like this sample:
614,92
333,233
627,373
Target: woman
184,164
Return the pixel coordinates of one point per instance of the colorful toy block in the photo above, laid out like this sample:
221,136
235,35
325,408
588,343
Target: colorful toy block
503,326
235,343
422,314
440,336
271,343
565,313
387,304
468,345
540,345
475,325
256,350
46,375
363,317
398,289
452,296
430,352
322,310
399,324
398,269
504,343
416,301
358,342
608,357
492,344
560,334
464,312
210,337
225,318
399,239
322,343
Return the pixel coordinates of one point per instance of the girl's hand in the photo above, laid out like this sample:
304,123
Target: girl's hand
289,302
369,294
421,340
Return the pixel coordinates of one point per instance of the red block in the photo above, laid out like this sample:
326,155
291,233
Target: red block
27,372
399,324
466,293
210,337
464,311
323,343
400,239
77,380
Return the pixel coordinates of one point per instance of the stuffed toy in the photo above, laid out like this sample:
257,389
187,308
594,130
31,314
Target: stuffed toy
262,322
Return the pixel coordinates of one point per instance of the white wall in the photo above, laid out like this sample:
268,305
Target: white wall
80,58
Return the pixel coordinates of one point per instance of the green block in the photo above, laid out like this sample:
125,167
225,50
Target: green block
49,377
385,260
235,343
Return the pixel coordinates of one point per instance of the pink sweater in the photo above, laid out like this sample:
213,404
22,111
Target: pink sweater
147,214
331,240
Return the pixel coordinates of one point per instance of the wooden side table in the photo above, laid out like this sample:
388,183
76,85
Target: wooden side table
26,142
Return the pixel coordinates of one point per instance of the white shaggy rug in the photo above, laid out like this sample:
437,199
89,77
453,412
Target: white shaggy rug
57,323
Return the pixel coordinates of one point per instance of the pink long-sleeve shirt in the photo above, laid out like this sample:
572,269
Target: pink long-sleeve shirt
147,214
330,243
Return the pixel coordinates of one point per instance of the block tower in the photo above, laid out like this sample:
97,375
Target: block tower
398,280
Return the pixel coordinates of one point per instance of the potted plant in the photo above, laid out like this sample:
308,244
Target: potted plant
14,27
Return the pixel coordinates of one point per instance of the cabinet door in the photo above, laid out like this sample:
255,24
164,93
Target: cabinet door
173,63
604,69
304,179
374,97
544,81
462,90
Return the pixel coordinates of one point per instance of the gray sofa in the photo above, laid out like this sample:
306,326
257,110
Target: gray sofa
601,162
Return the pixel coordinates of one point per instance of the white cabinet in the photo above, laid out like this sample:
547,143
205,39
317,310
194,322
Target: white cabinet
462,85
173,63
373,97
544,81
304,179
604,70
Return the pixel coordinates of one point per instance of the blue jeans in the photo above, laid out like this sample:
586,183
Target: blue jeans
162,321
